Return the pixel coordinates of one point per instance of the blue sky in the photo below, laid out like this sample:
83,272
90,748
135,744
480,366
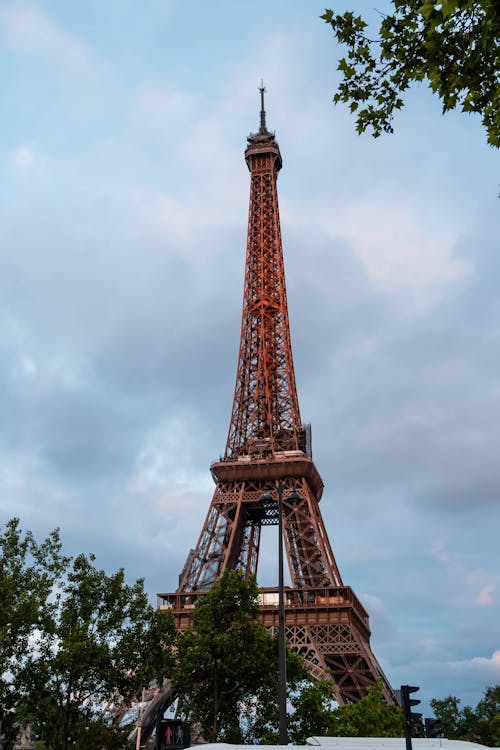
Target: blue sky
123,210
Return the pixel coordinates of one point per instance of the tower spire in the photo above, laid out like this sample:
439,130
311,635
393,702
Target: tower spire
263,128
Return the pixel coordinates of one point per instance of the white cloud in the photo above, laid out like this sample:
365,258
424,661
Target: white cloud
23,158
171,218
161,474
478,580
162,106
25,490
28,161
29,31
487,666
494,661
465,678
485,596
28,367
401,256
439,552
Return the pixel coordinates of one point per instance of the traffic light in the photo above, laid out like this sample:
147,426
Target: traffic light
172,734
407,703
433,728
409,716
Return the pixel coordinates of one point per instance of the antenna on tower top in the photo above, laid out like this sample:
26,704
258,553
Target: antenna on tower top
263,128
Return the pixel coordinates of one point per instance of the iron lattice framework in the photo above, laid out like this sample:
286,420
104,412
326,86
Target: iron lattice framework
267,445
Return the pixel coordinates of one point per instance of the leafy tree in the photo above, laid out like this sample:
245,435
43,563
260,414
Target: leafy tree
227,677
369,717
71,638
312,715
453,45
489,706
260,717
316,714
486,731
103,639
27,574
481,724
455,721
227,664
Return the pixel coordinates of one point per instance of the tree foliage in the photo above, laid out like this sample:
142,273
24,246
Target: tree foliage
481,725
227,664
369,717
316,714
75,638
455,722
453,45
312,711
27,574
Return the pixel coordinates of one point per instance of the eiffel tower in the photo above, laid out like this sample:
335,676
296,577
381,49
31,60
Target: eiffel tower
268,448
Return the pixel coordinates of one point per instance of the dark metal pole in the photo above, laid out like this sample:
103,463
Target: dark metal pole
405,700
283,732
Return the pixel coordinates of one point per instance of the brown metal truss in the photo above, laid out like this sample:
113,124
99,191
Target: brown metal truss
268,445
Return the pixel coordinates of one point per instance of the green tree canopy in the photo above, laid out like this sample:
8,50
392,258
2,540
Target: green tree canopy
28,571
369,717
316,714
481,725
489,705
486,730
452,45
455,721
73,638
312,711
103,640
227,665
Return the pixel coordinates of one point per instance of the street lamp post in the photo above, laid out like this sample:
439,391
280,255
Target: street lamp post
283,731
282,719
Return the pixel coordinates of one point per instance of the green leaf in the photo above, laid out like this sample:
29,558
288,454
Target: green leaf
426,10
448,7
452,44
345,68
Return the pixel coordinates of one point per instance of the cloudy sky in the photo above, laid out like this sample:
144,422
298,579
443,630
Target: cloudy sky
123,213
